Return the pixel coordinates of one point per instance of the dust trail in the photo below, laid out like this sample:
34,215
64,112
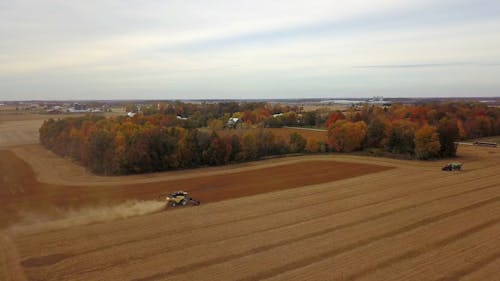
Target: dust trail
64,218
10,268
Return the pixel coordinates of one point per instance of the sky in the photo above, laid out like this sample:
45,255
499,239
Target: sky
235,49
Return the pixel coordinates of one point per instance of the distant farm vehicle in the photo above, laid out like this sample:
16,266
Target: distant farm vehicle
485,143
452,167
177,198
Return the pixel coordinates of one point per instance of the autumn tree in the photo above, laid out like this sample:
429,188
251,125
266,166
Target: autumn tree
402,139
346,136
313,145
280,146
290,118
248,147
265,142
297,143
158,140
378,133
334,117
427,144
235,147
310,118
101,152
215,124
449,133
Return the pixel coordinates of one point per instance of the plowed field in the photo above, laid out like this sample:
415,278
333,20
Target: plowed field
302,218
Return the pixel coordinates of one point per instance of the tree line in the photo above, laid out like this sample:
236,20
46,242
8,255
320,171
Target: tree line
422,131
160,141
115,146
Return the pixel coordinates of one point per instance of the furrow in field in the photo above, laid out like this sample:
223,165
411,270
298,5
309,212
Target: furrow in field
456,260
484,270
161,229
352,217
182,238
436,258
394,258
315,249
10,270
222,213
385,227
411,176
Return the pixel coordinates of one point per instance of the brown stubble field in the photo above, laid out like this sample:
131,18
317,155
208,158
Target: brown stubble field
325,217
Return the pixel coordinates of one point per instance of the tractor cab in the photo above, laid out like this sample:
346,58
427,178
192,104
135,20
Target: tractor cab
178,193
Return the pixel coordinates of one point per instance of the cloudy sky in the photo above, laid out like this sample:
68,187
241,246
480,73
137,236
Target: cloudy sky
184,49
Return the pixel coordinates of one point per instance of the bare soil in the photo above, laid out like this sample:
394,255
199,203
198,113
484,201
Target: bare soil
21,192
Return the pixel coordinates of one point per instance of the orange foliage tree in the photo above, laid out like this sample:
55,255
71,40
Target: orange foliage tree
427,144
346,136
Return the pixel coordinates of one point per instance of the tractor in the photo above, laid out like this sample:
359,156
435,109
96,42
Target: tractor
178,198
452,167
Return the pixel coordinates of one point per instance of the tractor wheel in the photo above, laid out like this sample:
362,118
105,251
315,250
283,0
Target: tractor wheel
183,202
173,204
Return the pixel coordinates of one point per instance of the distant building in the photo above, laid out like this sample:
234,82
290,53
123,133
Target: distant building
55,110
233,122
379,100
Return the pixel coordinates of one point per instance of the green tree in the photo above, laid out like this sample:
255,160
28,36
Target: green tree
101,152
448,134
403,137
378,134
297,143
310,118
215,124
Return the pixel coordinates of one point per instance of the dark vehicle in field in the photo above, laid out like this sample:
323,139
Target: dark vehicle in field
452,167
485,143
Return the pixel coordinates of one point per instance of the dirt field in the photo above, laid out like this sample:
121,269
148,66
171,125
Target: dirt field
25,194
327,218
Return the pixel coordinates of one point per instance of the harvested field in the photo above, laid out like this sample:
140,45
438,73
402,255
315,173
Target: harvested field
24,194
329,217
19,132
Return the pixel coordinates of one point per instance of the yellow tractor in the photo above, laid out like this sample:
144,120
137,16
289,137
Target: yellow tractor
179,198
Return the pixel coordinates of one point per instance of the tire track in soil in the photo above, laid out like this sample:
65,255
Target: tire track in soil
310,260
267,247
186,268
163,233
434,263
437,244
252,182
309,194
296,205
434,188
10,269
253,215
474,267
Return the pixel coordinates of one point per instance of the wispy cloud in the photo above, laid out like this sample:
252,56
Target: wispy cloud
282,48
429,65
